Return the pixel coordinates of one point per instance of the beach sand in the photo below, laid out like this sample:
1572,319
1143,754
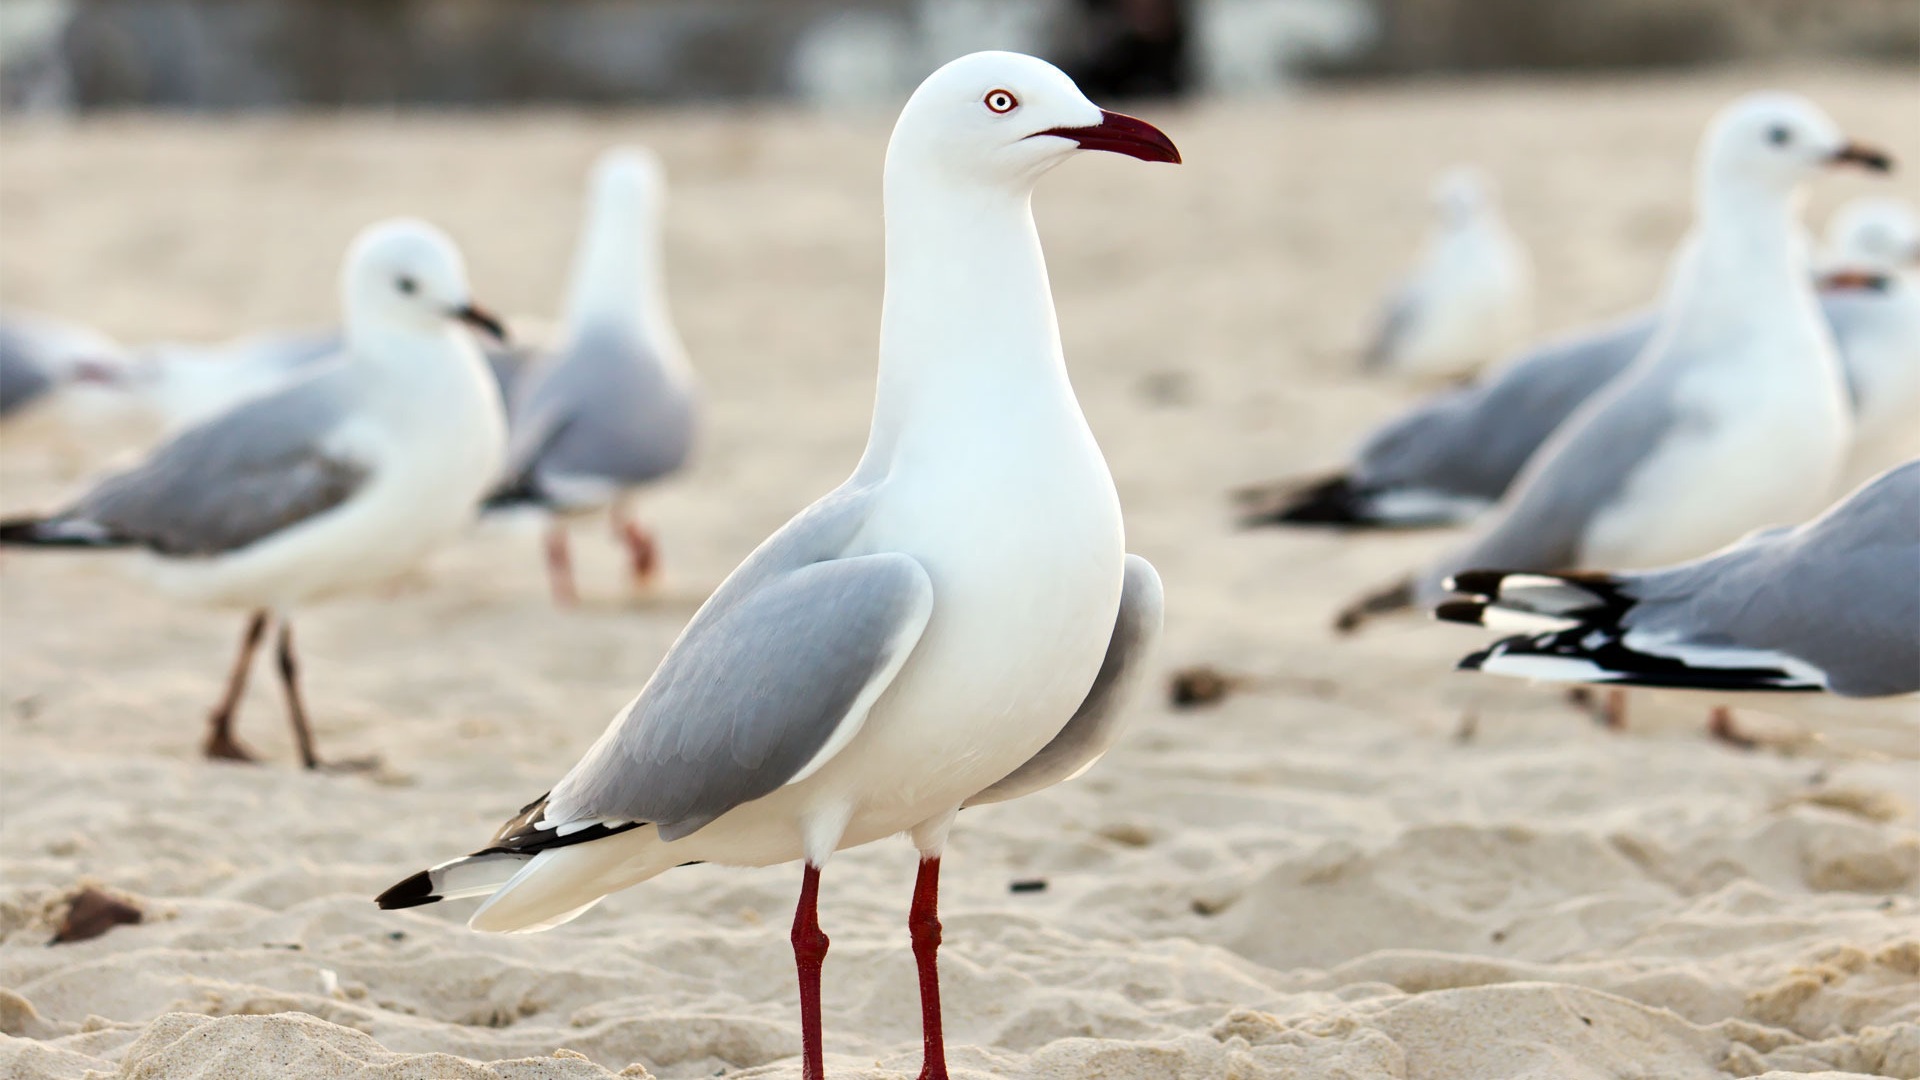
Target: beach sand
1359,866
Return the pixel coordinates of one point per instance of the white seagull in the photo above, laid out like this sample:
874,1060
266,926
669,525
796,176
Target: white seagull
346,476
952,625
1469,299
1737,414
613,408
1832,605
1872,297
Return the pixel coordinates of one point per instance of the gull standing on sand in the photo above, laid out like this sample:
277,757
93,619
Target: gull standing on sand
1872,299
1448,459
613,408
1735,417
1831,605
953,625
1468,300
345,477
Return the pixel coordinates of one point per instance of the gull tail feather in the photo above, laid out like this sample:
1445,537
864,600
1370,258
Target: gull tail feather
473,875
57,532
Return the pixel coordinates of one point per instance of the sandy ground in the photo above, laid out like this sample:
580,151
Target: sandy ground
1362,866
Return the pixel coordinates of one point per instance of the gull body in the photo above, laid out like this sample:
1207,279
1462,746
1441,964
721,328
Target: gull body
613,408
1872,264
346,476
1448,459
1831,606
1468,301
953,624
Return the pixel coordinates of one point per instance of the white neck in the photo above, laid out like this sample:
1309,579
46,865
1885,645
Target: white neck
616,278
1744,272
967,326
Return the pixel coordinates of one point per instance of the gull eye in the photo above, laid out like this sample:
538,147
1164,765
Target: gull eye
1002,101
1779,135
406,285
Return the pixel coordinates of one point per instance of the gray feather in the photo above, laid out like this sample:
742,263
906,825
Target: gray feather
602,408
1473,441
1095,726
763,678
235,479
1841,593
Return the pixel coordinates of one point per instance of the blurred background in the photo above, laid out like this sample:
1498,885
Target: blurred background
225,55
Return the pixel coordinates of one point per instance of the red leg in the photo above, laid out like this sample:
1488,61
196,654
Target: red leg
1613,715
560,566
924,924
809,953
1720,725
642,550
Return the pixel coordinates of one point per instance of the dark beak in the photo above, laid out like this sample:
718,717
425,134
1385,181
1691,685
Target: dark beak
1854,281
478,318
1867,157
1121,134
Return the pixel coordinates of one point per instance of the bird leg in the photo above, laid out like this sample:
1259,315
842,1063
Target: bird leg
642,549
923,921
297,711
1613,715
1720,725
809,953
220,744
560,565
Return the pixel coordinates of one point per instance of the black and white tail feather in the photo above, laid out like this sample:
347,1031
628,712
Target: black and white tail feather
485,871
1338,502
1572,628
59,532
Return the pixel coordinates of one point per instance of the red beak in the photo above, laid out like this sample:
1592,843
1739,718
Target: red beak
1121,134
1867,157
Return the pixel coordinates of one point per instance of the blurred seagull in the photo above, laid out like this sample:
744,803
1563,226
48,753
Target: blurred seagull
41,355
613,408
346,476
1468,300
1832,605
1872,299
1737,414
953,625
1448,459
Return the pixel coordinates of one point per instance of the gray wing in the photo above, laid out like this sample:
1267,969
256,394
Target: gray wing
1472,442
604,408
1541,523
239,477
22,378
1841,593
771,678
1095,726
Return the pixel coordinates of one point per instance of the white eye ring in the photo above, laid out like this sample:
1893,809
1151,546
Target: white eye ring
1002,101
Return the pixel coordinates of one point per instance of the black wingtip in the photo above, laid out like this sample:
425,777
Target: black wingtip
1471,612
1472,661
412,892
1477,582
1329,503
21,531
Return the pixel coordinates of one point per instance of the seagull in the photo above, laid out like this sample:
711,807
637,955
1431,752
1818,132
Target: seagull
347,476
1735,417
613,408
1872,298
1831,606
953,625
40,355
1468,300
1449,459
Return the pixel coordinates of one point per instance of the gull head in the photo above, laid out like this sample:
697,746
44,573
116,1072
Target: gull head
406,273
1874,235
1778,140
1463,193
1003,119
628,176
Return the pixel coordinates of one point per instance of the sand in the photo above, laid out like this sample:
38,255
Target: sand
1360,865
